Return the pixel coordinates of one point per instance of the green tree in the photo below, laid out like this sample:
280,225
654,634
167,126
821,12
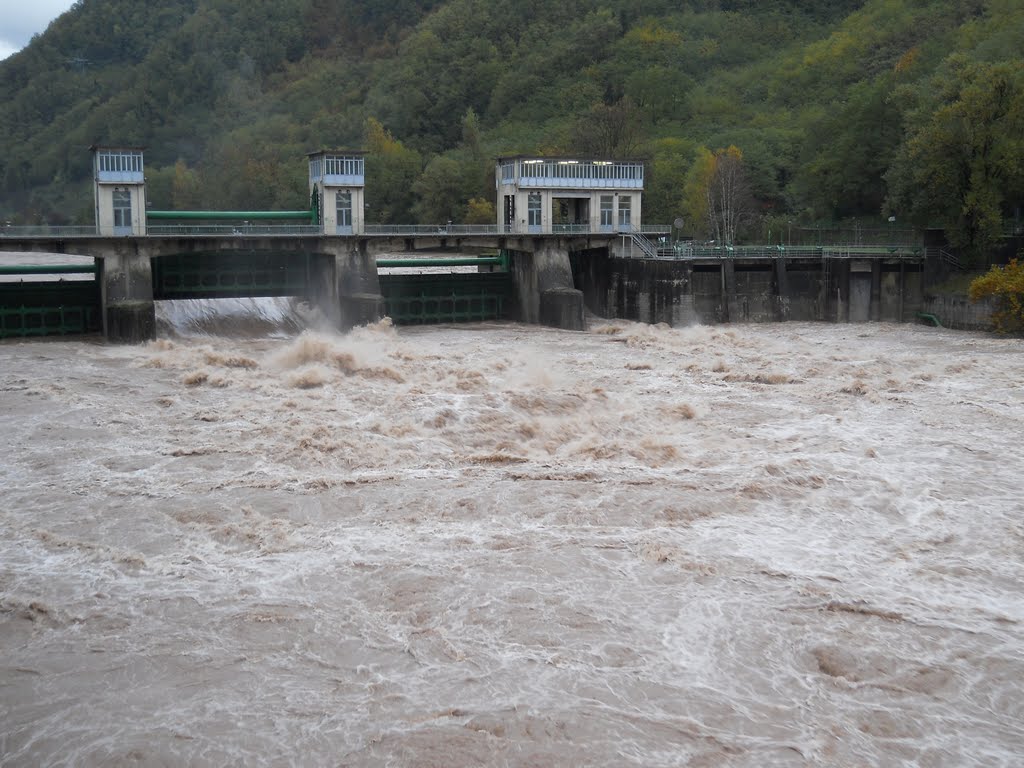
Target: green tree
665,180
439,191
186,187
391,170
962,163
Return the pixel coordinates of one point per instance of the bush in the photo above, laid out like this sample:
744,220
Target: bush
1006,286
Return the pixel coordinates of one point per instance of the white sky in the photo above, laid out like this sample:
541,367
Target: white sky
20,19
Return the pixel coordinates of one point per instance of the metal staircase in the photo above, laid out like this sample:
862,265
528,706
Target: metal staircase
945,256
637,241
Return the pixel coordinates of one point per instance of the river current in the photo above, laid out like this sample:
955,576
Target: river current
505,545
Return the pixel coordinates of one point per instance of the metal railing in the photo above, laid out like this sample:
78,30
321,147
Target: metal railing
250,229
655,229
945,256
688,251
646,247
425,230
47,230
229,230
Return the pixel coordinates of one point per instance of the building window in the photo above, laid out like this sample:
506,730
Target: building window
510,213
122,209
344,211
120,162
625,206
338,165
607,211
533,210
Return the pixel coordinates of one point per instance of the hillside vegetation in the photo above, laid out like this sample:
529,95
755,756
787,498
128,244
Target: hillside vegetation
840,109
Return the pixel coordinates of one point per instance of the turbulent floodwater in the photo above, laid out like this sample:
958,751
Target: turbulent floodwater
773,545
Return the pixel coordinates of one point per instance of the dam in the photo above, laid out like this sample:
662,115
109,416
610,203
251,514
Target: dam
569,237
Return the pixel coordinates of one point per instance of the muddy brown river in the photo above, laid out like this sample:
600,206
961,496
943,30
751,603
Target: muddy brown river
502,545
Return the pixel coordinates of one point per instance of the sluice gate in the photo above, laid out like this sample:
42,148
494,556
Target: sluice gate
232,274
447,298
49,307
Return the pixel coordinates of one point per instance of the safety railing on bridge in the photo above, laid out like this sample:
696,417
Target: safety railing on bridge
688,251
249,229
231,230
425,230
47,230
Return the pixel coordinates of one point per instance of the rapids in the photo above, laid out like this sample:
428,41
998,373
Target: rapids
774,545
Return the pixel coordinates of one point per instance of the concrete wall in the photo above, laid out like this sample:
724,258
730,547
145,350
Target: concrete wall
683,292
958,311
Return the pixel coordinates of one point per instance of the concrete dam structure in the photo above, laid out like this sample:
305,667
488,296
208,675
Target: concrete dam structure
568,236
840,285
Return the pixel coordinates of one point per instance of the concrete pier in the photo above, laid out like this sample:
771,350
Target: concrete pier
544,287
126,290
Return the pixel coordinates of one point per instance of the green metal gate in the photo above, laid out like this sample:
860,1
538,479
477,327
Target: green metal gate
230,274
447,298
45,308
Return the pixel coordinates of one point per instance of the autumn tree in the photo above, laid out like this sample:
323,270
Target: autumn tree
479,211
1004,284
717,192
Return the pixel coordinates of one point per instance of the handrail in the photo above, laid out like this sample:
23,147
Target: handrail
51,269
230,215
229,230
443,262
47,230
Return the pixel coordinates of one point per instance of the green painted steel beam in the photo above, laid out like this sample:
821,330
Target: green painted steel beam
51,269
481,261
232,215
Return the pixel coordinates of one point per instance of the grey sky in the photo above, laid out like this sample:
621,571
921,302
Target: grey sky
20,19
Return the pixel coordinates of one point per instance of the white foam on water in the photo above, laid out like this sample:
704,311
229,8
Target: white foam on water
795,544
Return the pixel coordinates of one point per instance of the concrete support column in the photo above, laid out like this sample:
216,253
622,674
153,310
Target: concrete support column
875,312
841,290
903,288
126,285
322,288
781,289
357,285
684,312
730,302
545,289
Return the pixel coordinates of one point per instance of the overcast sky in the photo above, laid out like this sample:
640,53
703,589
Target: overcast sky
20,19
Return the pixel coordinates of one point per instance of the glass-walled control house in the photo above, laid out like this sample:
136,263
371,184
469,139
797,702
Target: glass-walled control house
119,190
338,178
554,195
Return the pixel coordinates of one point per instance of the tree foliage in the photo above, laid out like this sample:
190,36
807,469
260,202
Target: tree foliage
845,108
717,193
962,161
1006,286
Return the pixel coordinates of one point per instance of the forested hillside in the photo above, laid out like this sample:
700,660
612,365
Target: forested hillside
830,110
